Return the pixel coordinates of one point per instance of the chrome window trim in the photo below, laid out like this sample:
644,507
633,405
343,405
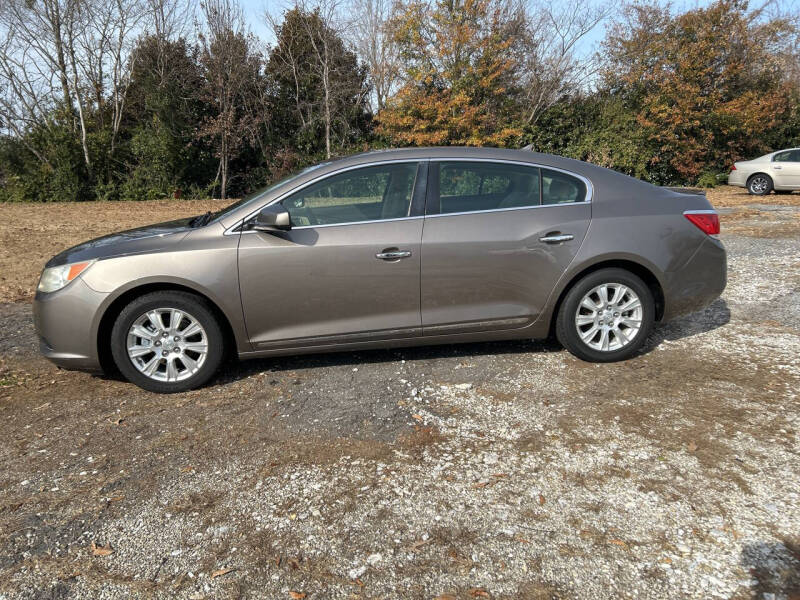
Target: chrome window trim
232,230
586,181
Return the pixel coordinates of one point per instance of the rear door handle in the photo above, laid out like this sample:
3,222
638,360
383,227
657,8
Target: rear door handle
389,254
556,238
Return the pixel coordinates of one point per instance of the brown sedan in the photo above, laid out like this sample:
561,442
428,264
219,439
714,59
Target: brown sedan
386,249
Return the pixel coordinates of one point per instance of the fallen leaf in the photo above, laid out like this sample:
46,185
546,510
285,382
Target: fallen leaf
618,543
221,572
499,475
106,550
188,469
116,498
417,417
691,446
297,595
119,421
293,562
479,593
445,597
541,500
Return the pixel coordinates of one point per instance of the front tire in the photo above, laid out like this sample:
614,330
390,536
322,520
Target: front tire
759,184
167,342
606,316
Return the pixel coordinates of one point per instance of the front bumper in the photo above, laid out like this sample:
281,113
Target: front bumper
699,282
66,322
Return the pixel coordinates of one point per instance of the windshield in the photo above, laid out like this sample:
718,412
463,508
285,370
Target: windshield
256,196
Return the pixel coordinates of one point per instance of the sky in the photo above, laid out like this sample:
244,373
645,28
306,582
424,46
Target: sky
255,9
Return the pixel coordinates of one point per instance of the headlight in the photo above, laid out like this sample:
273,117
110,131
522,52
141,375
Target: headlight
55,278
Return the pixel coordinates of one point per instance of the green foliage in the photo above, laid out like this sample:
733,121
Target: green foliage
707,179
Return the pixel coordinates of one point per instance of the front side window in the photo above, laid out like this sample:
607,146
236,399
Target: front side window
477,186
560,188
788,156
365,194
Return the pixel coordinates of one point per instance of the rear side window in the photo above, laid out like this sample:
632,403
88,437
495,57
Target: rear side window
789,156
560,188
477,186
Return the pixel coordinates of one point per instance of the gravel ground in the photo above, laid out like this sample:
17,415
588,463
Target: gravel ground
503,470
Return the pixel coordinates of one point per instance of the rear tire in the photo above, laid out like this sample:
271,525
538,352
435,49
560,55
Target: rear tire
606,316
167,342
759,184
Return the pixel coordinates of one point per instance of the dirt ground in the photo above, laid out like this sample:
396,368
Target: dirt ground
500,470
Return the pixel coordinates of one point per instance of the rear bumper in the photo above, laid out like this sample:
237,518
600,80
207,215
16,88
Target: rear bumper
737,178
66,323
699,282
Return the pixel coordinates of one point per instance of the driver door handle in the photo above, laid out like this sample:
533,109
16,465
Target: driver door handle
391,254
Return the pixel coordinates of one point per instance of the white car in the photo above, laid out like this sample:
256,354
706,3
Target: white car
779,171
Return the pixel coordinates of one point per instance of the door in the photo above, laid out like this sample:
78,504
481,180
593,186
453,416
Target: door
347,271
497,238
786,168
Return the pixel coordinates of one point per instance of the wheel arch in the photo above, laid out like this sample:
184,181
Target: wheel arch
111,312
644,273
764,173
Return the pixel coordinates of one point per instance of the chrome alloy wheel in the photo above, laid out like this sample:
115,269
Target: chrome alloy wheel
167,344
608,317
759,184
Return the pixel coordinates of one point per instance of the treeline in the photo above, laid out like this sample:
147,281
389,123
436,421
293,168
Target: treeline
141,99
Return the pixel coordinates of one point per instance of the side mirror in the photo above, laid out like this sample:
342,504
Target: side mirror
272,218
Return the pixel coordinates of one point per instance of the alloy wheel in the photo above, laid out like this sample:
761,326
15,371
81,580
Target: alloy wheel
609,317
167,344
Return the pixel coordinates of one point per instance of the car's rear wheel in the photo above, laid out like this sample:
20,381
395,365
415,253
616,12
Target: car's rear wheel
167,342
606,316
759,184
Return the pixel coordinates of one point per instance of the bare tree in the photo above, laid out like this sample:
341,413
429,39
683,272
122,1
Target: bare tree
75,50
375,45
553,65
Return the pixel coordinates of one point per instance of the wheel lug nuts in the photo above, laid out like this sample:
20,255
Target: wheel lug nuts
158,343
164,353
177,339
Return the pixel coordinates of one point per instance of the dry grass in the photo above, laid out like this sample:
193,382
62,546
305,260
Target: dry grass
32,233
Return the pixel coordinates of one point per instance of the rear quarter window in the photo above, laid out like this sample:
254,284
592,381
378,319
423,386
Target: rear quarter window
560,188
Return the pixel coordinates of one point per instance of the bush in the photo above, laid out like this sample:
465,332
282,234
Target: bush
707,179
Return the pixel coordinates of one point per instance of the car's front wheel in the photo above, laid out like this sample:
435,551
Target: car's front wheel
759,184
606,316
168,341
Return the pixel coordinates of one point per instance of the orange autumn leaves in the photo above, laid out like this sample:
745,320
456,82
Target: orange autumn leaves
459,68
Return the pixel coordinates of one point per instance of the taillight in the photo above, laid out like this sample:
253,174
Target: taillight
706,221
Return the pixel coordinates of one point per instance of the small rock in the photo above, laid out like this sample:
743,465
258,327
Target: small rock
356,573
374,559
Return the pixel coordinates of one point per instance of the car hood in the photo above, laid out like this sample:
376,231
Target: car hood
134,241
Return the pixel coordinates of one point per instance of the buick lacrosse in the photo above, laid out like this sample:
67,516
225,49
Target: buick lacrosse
387,249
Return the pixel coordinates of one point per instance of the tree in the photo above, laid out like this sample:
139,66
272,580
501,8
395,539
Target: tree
376,46
232,68
319,85
706,85
460,70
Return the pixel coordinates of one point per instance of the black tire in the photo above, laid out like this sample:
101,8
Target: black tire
199,309
567,331
759,184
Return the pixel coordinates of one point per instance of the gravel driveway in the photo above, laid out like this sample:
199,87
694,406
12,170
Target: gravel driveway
502,470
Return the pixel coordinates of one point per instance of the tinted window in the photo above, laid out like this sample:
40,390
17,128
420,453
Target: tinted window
790,156
560,188
367,194
475,186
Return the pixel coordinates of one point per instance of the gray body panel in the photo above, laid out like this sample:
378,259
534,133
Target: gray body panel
470,277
